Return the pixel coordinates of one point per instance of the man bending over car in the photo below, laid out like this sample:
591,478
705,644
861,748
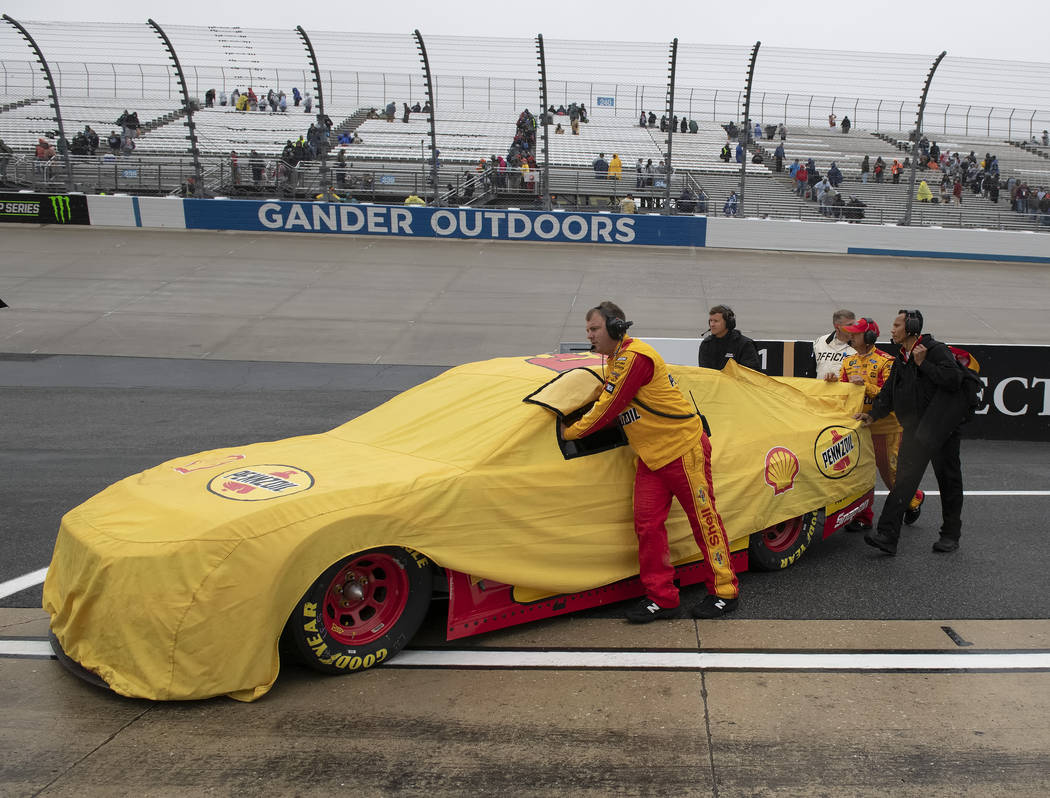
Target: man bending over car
674,460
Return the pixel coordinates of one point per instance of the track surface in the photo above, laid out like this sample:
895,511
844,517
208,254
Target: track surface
233,308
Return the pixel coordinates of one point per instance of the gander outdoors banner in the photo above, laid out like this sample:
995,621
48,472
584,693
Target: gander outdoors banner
44,208
425,222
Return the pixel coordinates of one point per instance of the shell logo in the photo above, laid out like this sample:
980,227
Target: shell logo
260,482
837,451
781,469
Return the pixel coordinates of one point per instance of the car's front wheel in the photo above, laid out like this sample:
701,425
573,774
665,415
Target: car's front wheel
780,545
362,610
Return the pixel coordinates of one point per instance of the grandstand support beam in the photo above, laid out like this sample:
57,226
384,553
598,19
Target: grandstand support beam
433,115
672,62
545,180
63,142
915,139
746,127
187,106
322,118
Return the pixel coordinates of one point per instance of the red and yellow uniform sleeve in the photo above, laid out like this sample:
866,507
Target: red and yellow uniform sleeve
628,372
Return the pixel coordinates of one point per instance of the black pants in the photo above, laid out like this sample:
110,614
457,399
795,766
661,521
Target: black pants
912,460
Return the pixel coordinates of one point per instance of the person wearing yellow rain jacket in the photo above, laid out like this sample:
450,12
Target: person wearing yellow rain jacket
923,194
674,460
871,367
615,167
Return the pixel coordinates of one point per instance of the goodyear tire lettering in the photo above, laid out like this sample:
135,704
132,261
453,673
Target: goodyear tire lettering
333,640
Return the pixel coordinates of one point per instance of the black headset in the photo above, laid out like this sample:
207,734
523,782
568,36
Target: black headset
729,317
912,321
617,328
869,334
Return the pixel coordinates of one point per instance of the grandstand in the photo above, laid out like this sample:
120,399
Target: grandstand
101,70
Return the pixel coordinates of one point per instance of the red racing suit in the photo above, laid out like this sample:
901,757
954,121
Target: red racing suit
674,460
874,366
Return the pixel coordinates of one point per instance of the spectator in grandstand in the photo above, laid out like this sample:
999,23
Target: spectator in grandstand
601,166
935,152
5,159
615,167
426,107
344,138
575,125
235,97
730,207
693,126
793,169
880,169
957,192
663,123
641,120
701,201
113,141
993,189
835,174
837,205
726,153
895,170
412,199
258,167
308,104
652,119
242,102
801,180
559,129
45,152
924,148
627,204
865,168
583,114
812,180
923,194
416,107
92,139
209,98
778,155
685,125
846,124
739,152
758,131
782,131
686,202
222,97
725,342
405,112
831,120
946,190
824,196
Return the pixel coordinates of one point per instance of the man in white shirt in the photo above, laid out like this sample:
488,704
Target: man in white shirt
830,350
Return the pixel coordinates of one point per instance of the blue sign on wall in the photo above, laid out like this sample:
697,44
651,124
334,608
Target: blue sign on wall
424,222
609,101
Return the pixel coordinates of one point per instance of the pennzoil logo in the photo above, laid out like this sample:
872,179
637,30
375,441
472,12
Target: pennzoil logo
781,469
60,209
566,361
836,451
260,482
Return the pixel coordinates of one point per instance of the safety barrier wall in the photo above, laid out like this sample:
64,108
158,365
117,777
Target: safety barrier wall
1016,401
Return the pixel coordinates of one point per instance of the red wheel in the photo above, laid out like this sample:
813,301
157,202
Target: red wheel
362,610
778,546
366,597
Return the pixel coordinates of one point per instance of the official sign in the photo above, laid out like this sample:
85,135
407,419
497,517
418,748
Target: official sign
425,222
43,208
606,101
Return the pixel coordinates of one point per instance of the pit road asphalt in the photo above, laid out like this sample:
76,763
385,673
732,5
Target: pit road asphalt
126,348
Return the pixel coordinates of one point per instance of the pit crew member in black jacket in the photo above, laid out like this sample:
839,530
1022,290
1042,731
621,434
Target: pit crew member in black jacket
726,341
925,390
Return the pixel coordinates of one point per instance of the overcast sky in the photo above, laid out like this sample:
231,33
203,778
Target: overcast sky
1017,30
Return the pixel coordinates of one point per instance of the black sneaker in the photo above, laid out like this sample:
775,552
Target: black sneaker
646,610
945,545
857,526
880,541
911,516
714,607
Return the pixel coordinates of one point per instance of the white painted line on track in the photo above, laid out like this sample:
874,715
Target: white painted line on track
20,583
25,648
675,660
700,660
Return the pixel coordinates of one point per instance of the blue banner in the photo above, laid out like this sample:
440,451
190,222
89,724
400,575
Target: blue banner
424,222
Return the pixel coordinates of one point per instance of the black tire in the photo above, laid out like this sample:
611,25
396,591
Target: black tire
361,611
781,545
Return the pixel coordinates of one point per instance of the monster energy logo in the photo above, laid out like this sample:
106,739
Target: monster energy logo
60,208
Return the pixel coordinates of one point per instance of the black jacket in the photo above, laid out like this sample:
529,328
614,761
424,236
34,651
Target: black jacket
928,399
715,351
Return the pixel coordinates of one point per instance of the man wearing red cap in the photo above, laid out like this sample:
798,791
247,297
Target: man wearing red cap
870,367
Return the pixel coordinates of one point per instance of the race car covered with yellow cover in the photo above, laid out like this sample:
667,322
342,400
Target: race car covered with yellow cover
177,582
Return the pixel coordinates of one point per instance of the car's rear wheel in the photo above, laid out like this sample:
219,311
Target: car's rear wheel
362,610
780,545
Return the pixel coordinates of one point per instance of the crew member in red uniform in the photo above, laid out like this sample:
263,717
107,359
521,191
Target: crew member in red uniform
674,460
870,367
